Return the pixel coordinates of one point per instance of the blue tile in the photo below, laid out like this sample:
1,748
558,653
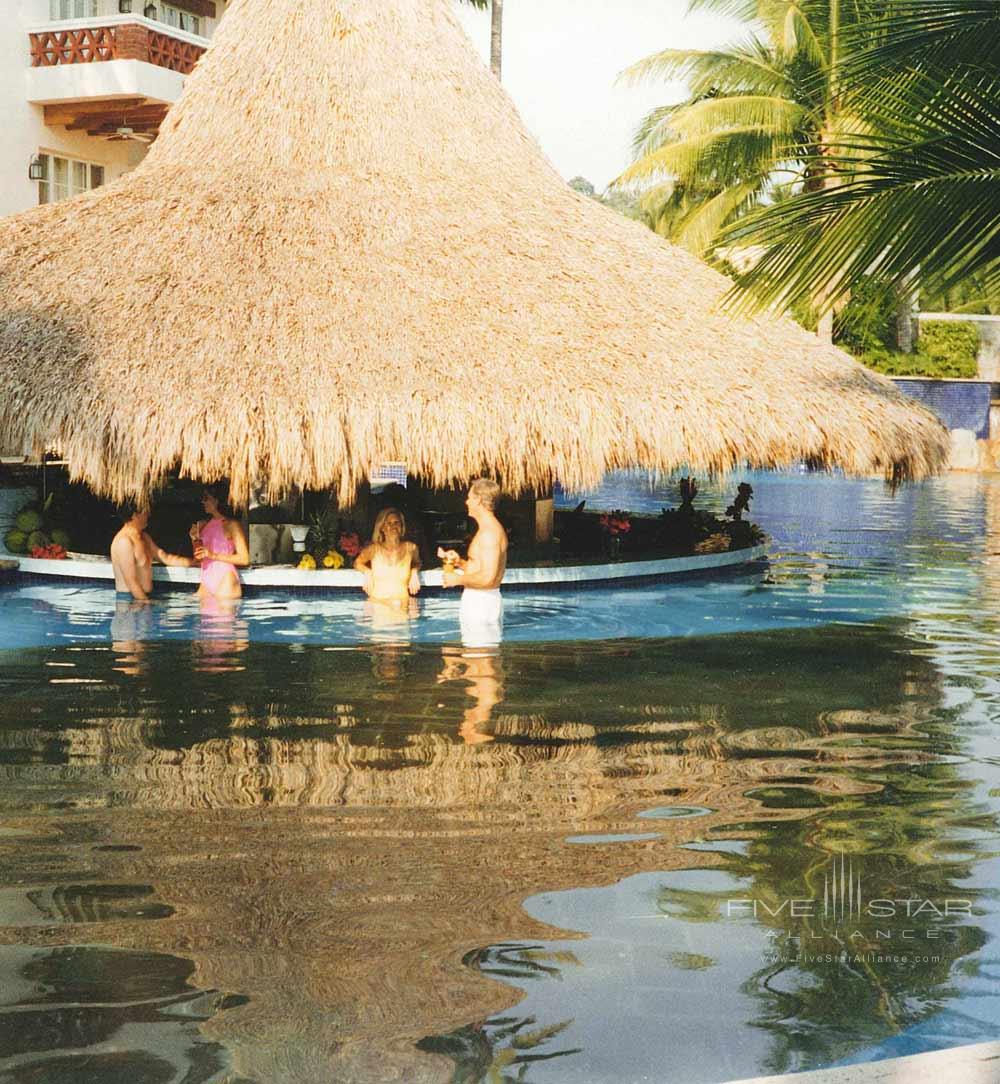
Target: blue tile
960,404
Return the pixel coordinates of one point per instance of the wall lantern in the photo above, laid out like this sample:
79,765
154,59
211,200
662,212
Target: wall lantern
124,7
149,11
36,169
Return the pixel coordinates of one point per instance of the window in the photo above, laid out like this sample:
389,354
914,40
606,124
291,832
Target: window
65,177
182,20
72,9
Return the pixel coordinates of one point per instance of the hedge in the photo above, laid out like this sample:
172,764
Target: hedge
945,349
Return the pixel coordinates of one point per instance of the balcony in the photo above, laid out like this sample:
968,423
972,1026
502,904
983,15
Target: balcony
124,37
101,73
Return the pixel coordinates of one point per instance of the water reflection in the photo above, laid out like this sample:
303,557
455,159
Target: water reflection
380,847
131,627
84,1014
222,636
481,671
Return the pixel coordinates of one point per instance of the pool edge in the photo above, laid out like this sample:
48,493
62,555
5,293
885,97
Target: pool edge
978,1063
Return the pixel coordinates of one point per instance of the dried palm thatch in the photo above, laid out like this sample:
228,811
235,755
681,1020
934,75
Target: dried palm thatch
344,248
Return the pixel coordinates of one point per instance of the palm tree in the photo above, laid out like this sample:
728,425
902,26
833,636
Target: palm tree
761,113
496,31
920,187
754,111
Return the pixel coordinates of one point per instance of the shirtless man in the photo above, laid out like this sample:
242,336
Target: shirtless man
481,572
133,553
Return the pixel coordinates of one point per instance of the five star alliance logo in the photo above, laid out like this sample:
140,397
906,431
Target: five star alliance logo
842,892
843,902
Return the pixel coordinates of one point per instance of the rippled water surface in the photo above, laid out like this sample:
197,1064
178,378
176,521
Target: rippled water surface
691,832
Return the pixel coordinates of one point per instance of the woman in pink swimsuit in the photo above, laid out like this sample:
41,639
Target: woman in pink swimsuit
221,546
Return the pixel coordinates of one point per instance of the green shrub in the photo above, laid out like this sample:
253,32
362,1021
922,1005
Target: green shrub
895,364
953,344
867,323
946,349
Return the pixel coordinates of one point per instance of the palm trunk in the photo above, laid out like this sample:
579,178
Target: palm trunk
496,37
907,299
824,328
816,182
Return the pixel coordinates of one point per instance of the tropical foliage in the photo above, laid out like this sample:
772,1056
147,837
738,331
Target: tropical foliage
760,115
619,201
840,145
918,185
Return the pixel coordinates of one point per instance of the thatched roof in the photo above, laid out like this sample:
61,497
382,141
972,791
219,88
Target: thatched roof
344,248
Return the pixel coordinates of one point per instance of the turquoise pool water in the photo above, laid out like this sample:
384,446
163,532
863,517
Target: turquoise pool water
282,845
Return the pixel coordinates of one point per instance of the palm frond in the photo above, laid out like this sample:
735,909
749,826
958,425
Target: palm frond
799,37
746,67
716,158
924,33
745,111
746,10
698,231
926,193
653,130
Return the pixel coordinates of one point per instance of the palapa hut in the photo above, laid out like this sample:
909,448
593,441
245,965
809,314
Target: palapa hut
344,248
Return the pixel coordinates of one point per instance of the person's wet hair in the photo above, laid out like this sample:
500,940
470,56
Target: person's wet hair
130,509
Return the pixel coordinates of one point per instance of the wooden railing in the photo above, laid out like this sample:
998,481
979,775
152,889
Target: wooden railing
128,41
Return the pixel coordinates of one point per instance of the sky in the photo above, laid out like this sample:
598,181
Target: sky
561,60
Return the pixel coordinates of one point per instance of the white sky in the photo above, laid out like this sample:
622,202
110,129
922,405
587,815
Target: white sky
561,59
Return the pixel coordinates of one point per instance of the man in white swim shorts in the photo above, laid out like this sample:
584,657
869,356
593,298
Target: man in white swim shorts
480,573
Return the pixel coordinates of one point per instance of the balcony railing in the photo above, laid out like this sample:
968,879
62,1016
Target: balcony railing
89,41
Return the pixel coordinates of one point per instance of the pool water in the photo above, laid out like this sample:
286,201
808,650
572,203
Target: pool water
840,551
690,832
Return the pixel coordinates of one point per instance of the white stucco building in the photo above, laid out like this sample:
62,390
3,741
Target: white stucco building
84,85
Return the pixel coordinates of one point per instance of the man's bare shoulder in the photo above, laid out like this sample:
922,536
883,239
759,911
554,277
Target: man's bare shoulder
121,544
496,532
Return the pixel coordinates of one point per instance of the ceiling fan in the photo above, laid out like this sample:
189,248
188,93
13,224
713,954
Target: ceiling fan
125,133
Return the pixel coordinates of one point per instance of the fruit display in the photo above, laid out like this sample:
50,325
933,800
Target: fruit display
51,552
35,534
29,519
15,541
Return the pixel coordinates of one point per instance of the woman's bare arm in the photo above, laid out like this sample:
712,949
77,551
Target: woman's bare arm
363,561
363,564
161,555
414,583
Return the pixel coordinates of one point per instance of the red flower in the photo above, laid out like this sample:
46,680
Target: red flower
349,544
616,522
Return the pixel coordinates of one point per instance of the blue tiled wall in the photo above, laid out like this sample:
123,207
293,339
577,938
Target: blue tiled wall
960,404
